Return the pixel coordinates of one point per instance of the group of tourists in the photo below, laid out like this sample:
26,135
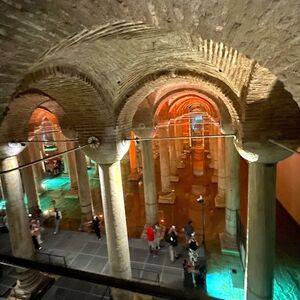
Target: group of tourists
194,273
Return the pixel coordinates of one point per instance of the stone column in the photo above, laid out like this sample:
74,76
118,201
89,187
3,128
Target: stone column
62,146
166,195
134,175
213,146
260,254
28,181
84,191
38,170
179,144
220,198
232,197
72,167
115,224
150,194
172,152
28,281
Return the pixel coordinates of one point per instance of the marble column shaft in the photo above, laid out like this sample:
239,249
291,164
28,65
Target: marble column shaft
28,181
172,151
132,156
84,191
232,192
38,171
178,142
220,198
72,166
164,161
115,219
260,255
17,219
150,193
28,281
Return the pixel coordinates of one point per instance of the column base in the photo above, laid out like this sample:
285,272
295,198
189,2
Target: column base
214,178
220,201
198,173
174,178
31,285
86,227
180,165
198,189
134,176
168,198
228,244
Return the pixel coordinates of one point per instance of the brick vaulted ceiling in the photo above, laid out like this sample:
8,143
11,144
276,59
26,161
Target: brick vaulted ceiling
246,51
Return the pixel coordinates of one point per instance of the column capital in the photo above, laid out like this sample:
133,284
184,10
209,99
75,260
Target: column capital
11,149
108,153
266,154
143,132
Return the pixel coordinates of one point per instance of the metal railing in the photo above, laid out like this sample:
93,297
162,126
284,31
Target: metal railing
141,272
50,255
113,282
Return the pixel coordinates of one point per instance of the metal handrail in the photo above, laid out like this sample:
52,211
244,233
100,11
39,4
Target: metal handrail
54,255
157,277
113,282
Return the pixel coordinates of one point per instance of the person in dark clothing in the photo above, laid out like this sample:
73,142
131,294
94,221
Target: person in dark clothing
189,277
188,229
173,242
96,227
34,234
193,244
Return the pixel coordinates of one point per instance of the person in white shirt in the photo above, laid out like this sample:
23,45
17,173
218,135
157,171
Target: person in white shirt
57,219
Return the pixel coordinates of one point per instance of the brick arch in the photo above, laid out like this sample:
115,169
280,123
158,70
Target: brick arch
79,96
165,86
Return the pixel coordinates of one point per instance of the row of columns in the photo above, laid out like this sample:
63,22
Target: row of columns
261,216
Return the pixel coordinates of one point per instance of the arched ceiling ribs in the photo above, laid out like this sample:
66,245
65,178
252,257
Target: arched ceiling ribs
176,105
78,96
160,88
45,70
196,99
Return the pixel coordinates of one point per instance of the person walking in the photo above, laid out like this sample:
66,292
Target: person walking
57,219
96,227
38,232
173,242
150,239
193,249
157,236
34,234
188,229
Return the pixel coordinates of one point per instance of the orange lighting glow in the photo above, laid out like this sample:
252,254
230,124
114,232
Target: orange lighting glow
162,221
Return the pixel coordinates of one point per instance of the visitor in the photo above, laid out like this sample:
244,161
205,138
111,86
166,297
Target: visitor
38,232
189,275
188,229
157,236
34,233
57,219
150,239
173,242
193,247
96,227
